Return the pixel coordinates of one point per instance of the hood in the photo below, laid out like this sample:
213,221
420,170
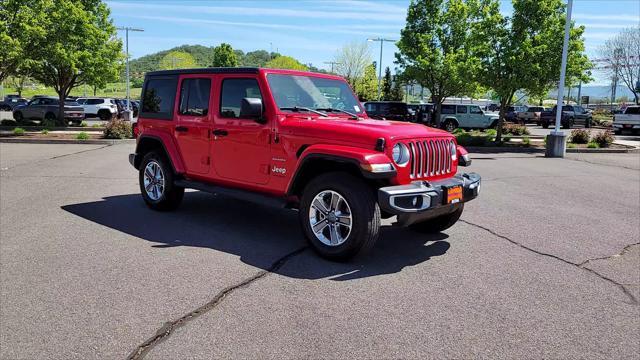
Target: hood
364,131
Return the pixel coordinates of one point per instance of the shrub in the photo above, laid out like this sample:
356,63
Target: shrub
514,129
491,132
571,145
457,131
604,138
83,124
48,123
96,125
593,145
44,132
82,136
118,129
526,141
507,138
18,131
467,139
579,136
8,122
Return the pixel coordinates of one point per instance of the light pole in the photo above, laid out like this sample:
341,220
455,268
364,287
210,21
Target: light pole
381,40
556,144
127,29
333,63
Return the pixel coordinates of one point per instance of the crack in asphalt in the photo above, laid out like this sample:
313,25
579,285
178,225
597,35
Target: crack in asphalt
169,327
55,157
622,252
622,287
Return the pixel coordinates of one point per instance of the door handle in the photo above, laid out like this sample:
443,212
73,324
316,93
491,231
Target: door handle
220,132
182,129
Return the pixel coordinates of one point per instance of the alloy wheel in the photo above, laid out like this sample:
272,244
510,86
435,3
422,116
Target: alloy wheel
330,218
153,180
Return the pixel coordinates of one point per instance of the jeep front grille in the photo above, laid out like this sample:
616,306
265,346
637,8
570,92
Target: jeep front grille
430,157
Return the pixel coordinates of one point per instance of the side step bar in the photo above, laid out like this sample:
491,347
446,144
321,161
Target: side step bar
234,193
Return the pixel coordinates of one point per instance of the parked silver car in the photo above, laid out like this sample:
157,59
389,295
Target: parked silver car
46,108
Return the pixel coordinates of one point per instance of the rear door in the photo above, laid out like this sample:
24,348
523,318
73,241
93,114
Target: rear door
29,111
462,114
194,120
241,146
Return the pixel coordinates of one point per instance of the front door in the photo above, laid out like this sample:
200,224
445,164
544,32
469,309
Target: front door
477,119
193,125
462,116
241,147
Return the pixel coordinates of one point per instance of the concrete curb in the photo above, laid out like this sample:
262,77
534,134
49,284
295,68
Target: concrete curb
63,128
495,149
69,141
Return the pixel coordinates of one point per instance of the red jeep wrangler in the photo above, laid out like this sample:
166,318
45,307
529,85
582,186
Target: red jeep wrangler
299,140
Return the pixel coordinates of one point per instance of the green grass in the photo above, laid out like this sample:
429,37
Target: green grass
83,124
82,136
18,131
571,146
44,132
526,141
117,90
593,145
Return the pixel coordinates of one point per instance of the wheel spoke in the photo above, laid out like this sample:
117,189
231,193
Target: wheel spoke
319,226
335,198
319,205
148,173
148,186
344,220
334,234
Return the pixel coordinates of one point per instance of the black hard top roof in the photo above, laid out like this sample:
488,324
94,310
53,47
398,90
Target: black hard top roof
212,70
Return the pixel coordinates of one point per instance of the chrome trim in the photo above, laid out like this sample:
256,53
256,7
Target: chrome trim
426,200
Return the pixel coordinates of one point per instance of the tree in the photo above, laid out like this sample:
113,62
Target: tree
366,86
622,57
397,92
386,84
18,82
81,47
285,62
352,60
435,48
22,32
522,52
224,56
256,58
177,60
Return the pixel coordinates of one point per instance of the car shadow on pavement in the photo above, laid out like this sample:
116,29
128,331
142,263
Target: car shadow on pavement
259,235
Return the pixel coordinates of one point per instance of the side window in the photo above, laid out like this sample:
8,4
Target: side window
461,109
158,97
35,102
448,109
632,110
94,101
475,110
233,91
194,97
370,107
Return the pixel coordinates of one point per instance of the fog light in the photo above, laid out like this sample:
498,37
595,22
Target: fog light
414,202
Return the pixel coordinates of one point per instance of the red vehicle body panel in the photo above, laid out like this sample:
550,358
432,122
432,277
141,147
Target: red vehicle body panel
264,157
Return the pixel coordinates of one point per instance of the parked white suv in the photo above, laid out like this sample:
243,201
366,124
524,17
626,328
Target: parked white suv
105,109
630,120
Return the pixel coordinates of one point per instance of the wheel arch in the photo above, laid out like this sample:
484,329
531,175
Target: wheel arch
147,143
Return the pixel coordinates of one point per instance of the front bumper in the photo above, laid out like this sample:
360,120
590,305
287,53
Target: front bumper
423,200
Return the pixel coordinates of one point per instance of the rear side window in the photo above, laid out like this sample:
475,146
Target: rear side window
635,110
233,91
448,109
461,109
94,101
475,110
371,108
194,97
158,97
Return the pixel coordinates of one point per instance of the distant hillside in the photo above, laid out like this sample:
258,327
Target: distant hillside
203,56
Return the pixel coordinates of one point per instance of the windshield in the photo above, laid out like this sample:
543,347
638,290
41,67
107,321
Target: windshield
290,91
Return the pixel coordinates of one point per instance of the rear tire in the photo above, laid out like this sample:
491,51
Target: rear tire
568,124
344,213
104,115
156,183
438,224
449,125
17,116
545,125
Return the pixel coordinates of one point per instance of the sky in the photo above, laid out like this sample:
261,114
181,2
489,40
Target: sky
313,30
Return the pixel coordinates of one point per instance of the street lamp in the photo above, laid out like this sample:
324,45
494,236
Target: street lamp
333,63
381,40
127,29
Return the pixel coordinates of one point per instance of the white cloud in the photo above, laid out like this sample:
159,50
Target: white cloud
617,18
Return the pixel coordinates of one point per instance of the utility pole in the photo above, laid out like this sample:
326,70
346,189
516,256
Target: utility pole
556,141
381,40
332,64
127,29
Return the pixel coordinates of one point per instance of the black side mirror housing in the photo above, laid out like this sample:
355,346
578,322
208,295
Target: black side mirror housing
252,108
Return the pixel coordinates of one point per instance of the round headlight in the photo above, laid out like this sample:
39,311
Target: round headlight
401,154
454,151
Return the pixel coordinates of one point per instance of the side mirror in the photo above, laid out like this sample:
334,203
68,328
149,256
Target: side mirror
252,108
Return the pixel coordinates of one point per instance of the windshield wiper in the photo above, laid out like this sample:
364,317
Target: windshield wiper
353,115
298,108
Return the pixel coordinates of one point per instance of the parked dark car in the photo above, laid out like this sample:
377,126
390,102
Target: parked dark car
46,108
11,102
122,106
422,113
571,115
388,110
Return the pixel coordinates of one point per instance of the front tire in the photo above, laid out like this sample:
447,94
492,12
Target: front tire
545,125
339,216
156,183
449,125
438,224
104,115
18,117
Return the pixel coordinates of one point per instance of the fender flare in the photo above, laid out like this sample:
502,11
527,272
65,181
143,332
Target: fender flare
355,156
169,147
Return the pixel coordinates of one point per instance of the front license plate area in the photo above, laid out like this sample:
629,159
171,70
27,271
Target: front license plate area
453,194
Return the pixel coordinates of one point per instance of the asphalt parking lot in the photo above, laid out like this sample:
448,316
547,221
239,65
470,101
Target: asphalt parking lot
544,264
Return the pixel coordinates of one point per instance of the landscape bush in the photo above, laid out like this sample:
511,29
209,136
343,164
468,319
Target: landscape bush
44,132
82,136
526,141
604,138
18,131
118,129
84,124
515,129
579,136
593,145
